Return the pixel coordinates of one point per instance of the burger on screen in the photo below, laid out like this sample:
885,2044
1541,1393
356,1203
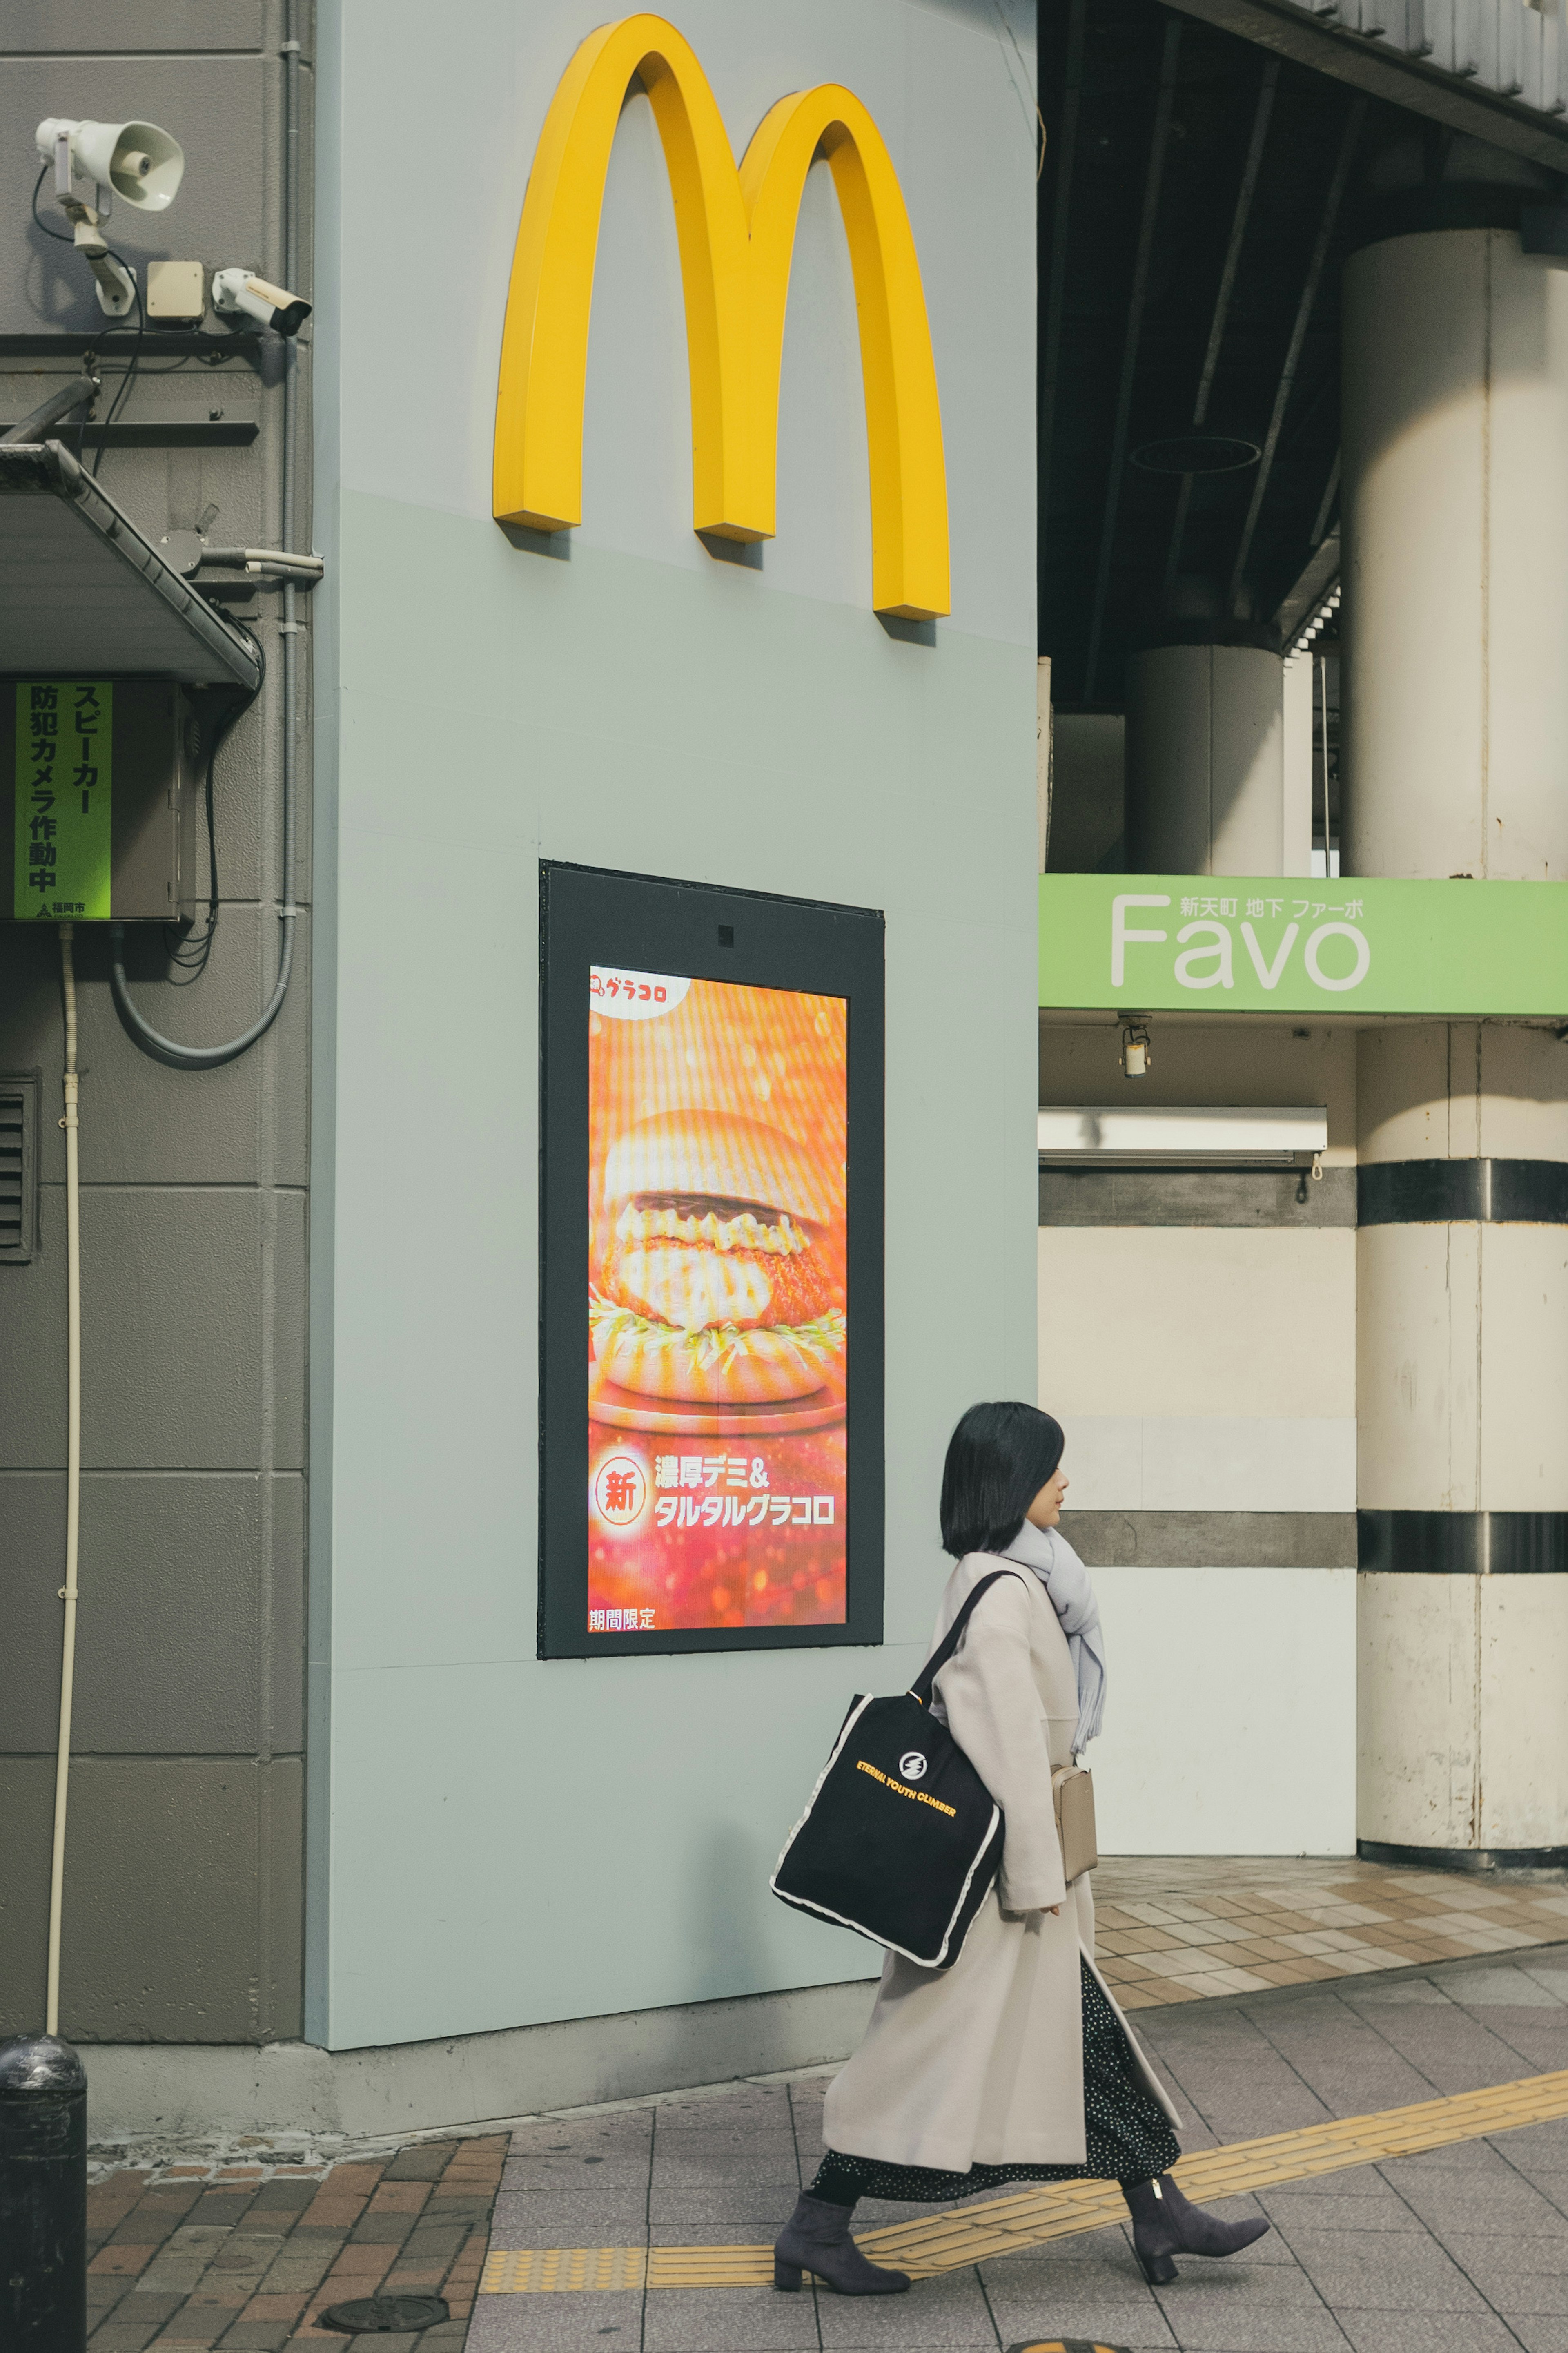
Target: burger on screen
721,1283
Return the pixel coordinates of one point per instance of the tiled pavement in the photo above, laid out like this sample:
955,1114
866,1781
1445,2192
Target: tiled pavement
244,2256
1464,2249
1182,1930
1461,2250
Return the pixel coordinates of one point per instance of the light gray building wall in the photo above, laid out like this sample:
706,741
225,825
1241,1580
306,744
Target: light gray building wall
183,1880
494,1841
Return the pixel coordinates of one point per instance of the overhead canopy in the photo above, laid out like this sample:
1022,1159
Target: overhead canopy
80,589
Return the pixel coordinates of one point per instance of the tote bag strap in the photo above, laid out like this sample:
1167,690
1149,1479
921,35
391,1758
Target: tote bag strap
921,1688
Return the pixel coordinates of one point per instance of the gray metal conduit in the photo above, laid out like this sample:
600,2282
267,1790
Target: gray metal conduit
81,390
168,1050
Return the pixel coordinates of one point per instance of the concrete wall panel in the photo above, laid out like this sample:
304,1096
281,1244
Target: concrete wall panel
1462,1090
1155,1321
1417,1736
192,1552
1523,1719
1418,1296
173,1630
1524,1092
1230,1716
286,1616
144,25
172,1337
181,1920
1404,1074
140,1122
1524,1370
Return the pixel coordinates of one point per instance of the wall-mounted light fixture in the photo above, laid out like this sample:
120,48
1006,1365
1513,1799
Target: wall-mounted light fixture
1183,1135
1137,1056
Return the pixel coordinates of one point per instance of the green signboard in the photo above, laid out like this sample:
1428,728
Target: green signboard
1263,944
65,735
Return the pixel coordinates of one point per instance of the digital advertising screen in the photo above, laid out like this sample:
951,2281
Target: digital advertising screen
719,1359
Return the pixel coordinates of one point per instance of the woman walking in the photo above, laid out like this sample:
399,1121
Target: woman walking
1014,2064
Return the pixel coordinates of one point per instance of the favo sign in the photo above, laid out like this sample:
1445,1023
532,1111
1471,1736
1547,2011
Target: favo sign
1196,942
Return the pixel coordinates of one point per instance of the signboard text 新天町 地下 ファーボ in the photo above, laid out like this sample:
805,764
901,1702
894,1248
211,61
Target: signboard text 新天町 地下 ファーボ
1169,943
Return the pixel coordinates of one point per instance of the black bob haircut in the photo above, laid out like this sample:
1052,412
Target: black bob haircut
998,1459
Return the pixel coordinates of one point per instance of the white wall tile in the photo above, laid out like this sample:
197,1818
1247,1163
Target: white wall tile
1211,1463
1197,1319
1230,1718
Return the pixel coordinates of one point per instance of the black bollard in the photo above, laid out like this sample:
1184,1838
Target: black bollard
42,2196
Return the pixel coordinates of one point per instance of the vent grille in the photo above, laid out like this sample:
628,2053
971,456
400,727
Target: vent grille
18,1177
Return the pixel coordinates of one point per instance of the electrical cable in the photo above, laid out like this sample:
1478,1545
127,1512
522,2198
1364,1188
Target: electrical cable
190,950
168,1051
129,377
67,1593
57,236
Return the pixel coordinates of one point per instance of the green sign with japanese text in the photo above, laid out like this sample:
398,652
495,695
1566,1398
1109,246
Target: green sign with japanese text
65,737
1264,944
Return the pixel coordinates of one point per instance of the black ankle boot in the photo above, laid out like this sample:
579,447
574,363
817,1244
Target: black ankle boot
1165,2224
817,2239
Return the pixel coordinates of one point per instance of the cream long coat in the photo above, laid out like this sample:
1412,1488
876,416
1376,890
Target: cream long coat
983,2064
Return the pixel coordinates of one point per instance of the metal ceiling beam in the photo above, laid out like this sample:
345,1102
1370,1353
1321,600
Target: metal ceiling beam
1318,576
1157,145
1304,308
1326,504
1067,148
1243,195
1460,103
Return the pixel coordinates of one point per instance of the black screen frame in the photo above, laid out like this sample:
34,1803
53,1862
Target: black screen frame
593,916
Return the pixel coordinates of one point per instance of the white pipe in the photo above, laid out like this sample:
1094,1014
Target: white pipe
73,1480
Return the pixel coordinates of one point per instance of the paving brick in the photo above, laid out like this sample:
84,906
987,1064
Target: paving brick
424,2162
272,2306
399,2198
121,2259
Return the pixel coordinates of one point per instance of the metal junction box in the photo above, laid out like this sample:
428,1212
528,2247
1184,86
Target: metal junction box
98,794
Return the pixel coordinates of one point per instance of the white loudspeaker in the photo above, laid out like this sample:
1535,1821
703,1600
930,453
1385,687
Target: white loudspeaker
137,160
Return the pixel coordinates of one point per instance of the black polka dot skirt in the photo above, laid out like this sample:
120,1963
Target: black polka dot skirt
1126,2134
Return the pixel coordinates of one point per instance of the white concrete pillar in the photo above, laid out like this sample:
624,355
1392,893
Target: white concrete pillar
1298,771
1043,770
1455,537
1205,761
1462,1475
1455,628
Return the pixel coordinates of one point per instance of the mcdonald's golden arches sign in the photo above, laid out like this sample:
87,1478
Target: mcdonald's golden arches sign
736,231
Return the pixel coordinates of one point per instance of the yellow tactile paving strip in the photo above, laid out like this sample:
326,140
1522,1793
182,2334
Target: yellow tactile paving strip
971,2235
1180,1929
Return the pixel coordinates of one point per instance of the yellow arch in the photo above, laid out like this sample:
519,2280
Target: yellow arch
736,233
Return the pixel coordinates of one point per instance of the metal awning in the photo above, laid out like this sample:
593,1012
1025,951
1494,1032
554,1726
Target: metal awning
82,590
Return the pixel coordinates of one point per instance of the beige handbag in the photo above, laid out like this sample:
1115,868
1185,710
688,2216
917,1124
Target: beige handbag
1072,1794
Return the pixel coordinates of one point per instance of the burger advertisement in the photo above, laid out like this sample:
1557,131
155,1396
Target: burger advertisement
718,1333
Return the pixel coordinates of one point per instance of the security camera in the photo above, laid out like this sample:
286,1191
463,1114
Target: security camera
133,160
240,291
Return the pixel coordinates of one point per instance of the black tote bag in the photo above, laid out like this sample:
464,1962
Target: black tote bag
900,1840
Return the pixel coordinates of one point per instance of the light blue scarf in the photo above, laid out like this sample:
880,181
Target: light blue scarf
1048,1552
